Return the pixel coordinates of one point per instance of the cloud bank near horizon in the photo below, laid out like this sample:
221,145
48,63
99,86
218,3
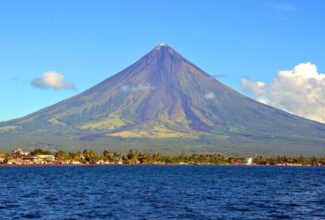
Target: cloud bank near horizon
52,80
300,91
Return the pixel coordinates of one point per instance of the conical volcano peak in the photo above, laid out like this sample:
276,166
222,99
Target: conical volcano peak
165,52
160,45
163,47
164,100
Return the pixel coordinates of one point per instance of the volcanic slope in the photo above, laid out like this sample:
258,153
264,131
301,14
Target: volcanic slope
165,103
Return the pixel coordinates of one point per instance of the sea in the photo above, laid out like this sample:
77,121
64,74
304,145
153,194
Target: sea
162,192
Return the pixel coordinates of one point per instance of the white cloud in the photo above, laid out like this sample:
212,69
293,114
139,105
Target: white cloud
209,95
255,88
52,80
140,87
300,91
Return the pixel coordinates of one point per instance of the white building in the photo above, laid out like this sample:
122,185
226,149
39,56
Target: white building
249,161
20,152
46,157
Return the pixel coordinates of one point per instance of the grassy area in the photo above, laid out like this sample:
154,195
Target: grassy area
157,131
56,121
109,123
8,128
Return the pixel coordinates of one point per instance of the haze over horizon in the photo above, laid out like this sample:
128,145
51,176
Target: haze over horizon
269,50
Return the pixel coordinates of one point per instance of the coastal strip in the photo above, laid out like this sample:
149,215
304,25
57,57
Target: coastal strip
41,157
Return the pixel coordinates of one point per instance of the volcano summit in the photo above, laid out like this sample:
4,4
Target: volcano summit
165,103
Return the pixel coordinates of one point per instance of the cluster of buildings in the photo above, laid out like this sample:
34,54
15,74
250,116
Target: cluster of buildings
20,157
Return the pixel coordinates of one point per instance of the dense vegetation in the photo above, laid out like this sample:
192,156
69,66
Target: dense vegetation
88,156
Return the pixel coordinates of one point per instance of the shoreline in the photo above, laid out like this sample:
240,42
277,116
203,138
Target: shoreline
45,158
93,165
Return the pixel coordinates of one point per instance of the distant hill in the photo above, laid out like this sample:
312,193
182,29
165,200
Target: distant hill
165,103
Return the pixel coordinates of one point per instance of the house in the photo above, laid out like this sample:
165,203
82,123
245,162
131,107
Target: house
28,159
45,157
17,161
249,161
2,158
20,152
74,162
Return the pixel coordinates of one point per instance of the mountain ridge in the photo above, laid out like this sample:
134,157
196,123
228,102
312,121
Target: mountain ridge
164,97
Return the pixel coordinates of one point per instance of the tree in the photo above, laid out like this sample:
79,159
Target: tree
61,155
78,156
133,156
107,155
90,156
40,151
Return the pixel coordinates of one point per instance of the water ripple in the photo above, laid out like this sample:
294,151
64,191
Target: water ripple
162,192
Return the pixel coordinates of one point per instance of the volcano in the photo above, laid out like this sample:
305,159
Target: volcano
165,103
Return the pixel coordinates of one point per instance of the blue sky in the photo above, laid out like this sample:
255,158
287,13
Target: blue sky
88,41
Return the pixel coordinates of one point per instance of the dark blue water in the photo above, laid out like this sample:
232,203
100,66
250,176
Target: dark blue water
162,192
